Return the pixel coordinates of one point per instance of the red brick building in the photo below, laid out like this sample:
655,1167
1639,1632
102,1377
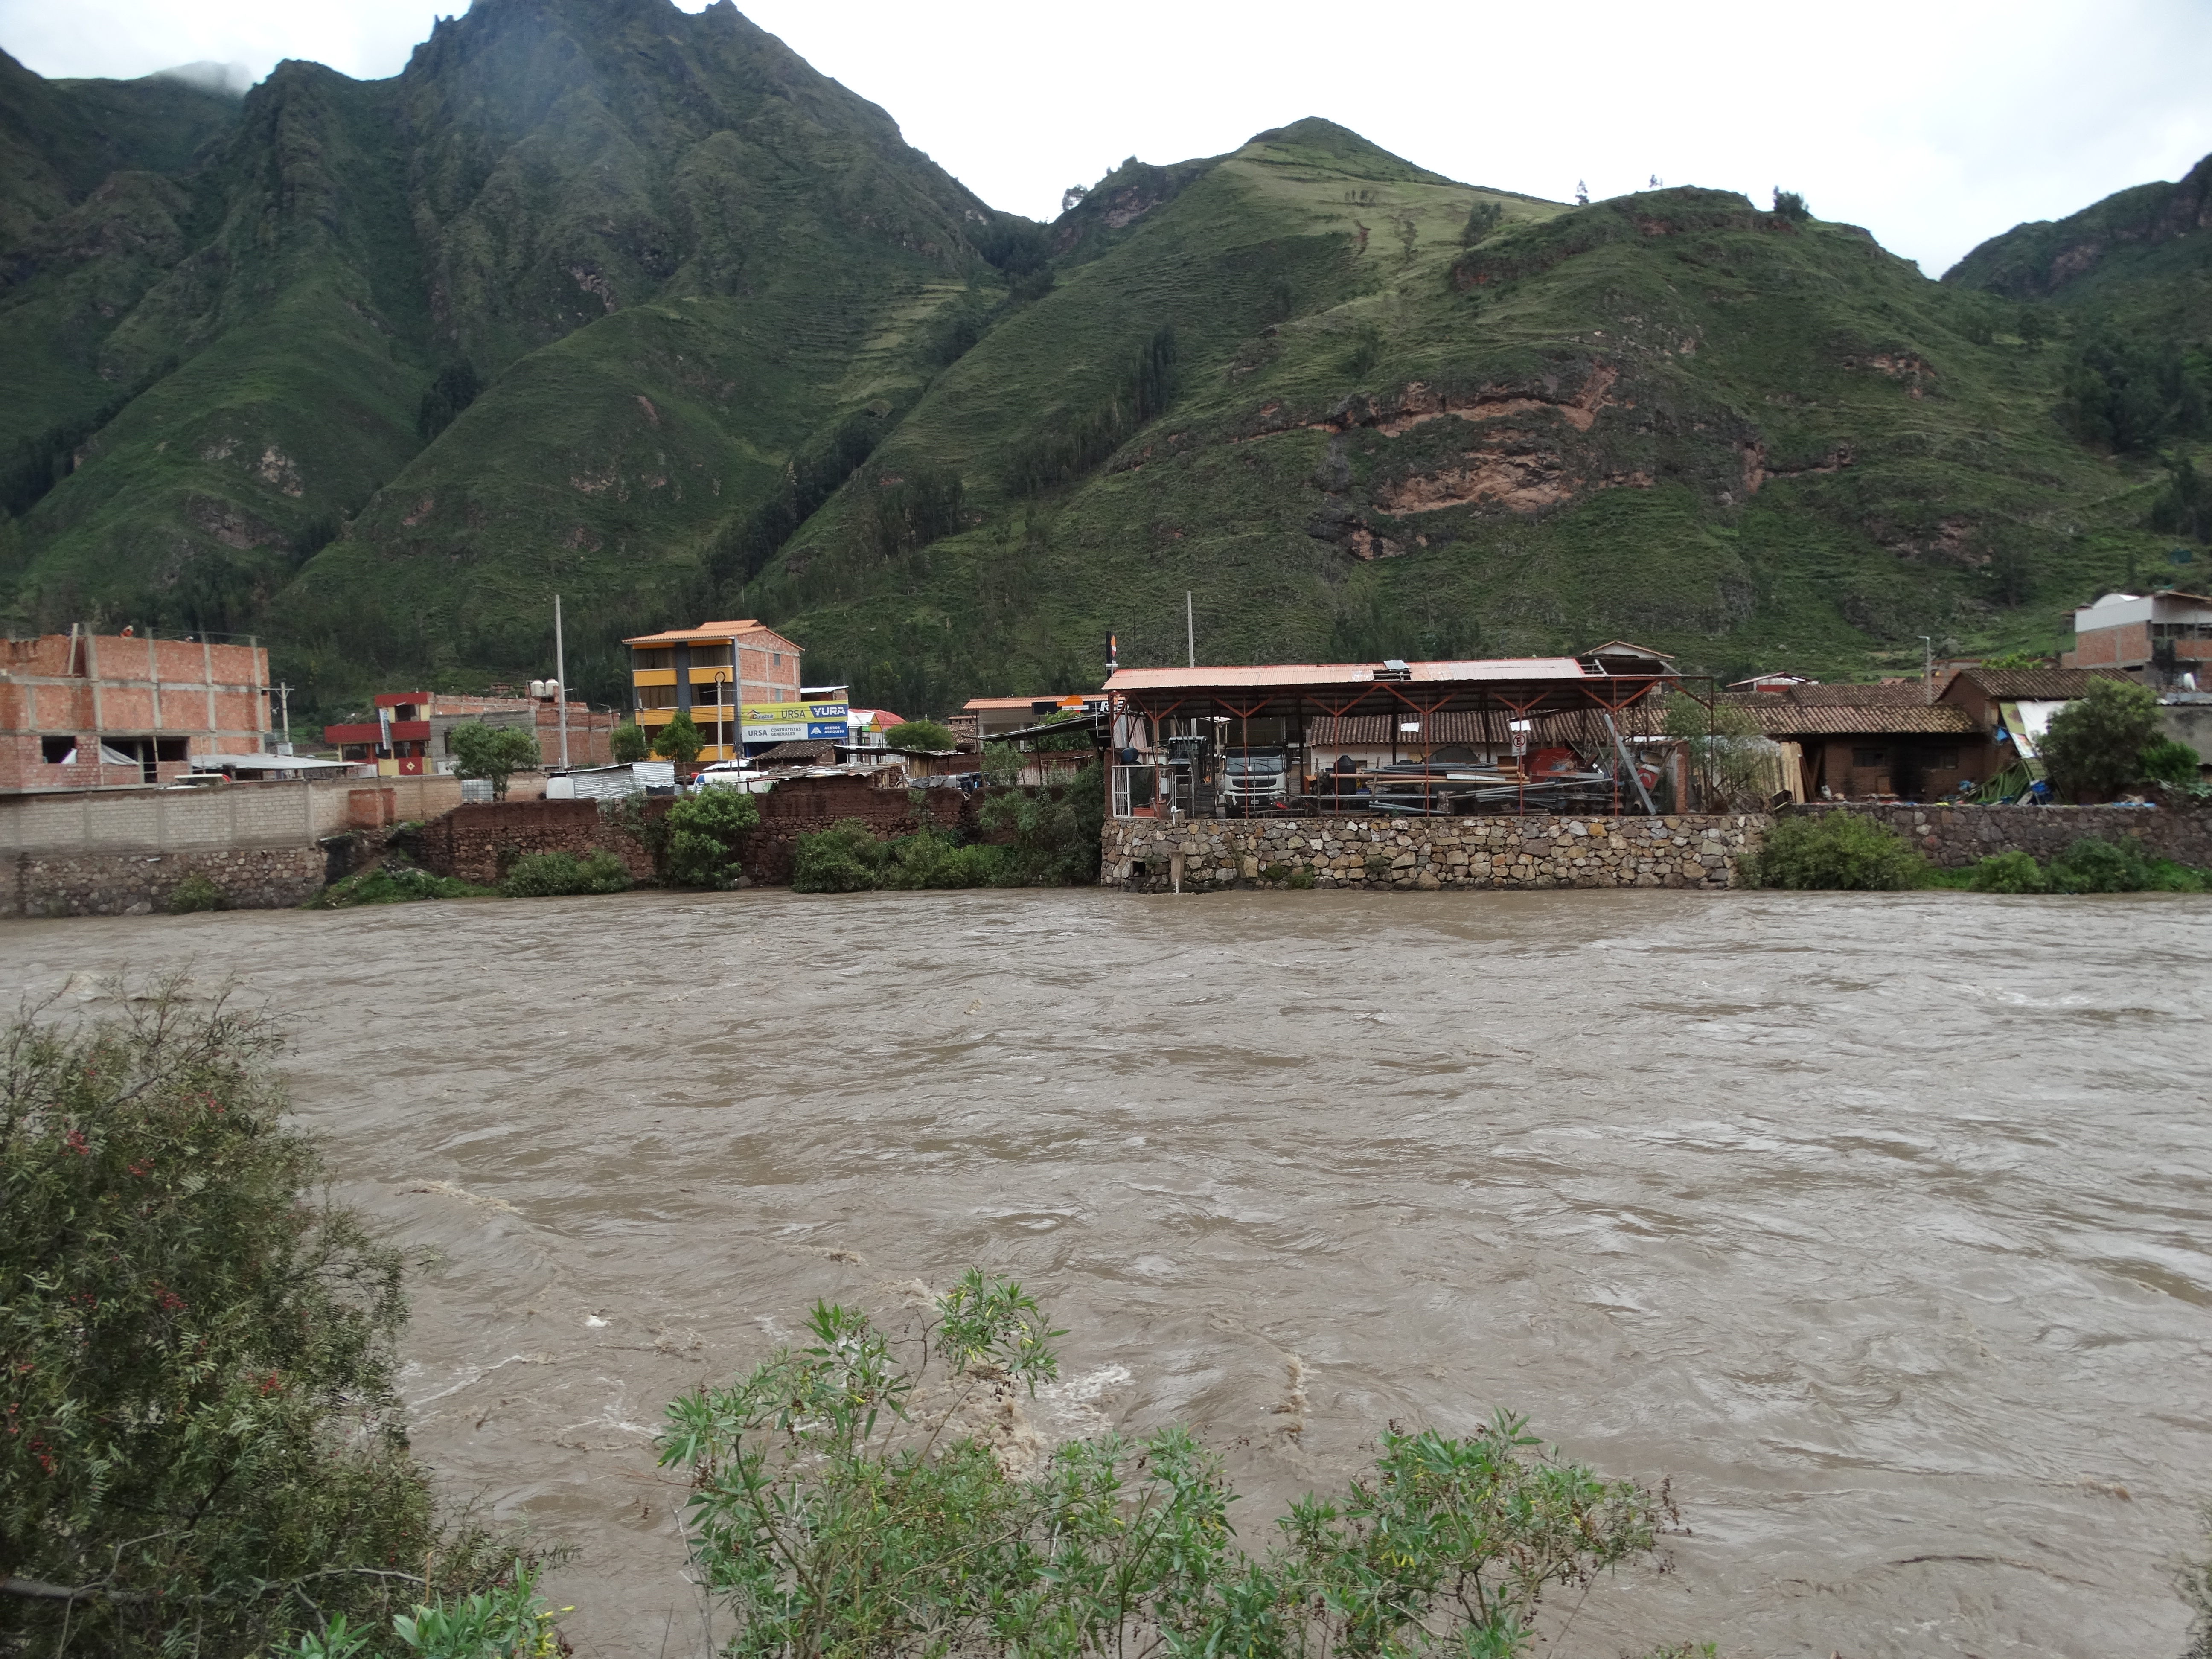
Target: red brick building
412,734
80,710
2153,637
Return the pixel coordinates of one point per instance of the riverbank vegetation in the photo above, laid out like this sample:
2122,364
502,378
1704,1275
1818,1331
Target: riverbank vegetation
1042,837
846,1499
1844,852
203,1450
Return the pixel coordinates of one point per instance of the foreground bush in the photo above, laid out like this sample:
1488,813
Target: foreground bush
1837,851
833,1514
563,875
195,1355
702,835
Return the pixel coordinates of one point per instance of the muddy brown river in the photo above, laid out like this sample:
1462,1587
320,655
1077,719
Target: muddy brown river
1878,1223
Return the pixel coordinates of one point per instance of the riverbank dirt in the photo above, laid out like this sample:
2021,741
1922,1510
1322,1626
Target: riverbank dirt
1874,1220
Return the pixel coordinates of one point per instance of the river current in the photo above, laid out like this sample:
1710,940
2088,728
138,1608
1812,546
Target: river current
1877,1222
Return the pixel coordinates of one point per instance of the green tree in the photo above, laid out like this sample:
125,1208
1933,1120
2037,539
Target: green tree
679,741
2185,507
198,1353
2093,744
1481,219
2032,327
846,858
2166,760
496,752
628,742
1790,205
920,734
703,834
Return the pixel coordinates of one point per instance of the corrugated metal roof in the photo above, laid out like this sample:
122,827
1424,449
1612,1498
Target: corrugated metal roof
2039,684
1479,729
1875,694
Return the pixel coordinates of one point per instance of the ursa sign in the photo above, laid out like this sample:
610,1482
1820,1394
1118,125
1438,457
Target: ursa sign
787,722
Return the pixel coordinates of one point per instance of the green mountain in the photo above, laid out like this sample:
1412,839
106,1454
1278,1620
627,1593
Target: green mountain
601,298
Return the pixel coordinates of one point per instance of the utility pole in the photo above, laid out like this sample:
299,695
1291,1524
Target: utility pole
1928,668
560,678
1189,628
285,702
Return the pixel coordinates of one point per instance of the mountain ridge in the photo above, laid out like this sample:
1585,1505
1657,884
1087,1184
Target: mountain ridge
599,296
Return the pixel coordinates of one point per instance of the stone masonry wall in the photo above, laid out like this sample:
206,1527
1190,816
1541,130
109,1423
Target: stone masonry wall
1533,852
135,884
1953,837
473,843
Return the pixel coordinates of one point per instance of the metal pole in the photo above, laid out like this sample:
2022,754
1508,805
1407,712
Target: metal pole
561,677
1189,628
284,701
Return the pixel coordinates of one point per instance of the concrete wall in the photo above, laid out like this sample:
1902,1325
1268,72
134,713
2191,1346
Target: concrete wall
1953,836
214,817
1533,852
2190,723
120,852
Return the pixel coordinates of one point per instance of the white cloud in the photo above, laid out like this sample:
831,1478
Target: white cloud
1933,125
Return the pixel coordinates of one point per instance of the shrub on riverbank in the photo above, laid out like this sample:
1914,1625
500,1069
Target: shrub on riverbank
203,1449
846,1500
393,881
700,837
2091,865
563,875
1051,839
1836,851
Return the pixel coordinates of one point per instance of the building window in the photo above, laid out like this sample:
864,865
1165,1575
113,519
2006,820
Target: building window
57,751
1942,760
710,656
1866,757
656,697
660,657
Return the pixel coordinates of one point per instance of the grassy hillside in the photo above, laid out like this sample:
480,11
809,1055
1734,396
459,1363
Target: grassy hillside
1750,439
601,298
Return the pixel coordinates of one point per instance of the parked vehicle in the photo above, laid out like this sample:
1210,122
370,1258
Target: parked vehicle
1255,780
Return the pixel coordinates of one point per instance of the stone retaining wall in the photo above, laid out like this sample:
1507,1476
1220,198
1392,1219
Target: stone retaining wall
1532,852
135,884
1953,837
477,842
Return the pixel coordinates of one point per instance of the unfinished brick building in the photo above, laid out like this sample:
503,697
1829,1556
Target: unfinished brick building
80,710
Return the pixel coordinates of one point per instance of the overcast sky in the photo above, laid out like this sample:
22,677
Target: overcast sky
1933,122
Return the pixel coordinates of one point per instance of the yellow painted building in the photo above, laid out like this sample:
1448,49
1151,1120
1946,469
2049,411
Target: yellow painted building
716,671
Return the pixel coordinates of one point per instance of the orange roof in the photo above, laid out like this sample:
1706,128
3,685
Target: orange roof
710,631
1025,703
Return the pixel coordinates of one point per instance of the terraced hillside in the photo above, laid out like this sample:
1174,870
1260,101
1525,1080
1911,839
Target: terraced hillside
600,297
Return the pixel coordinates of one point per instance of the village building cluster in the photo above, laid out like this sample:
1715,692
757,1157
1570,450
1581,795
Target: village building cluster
1590,733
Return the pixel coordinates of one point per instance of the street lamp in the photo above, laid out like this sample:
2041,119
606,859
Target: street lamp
721,703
